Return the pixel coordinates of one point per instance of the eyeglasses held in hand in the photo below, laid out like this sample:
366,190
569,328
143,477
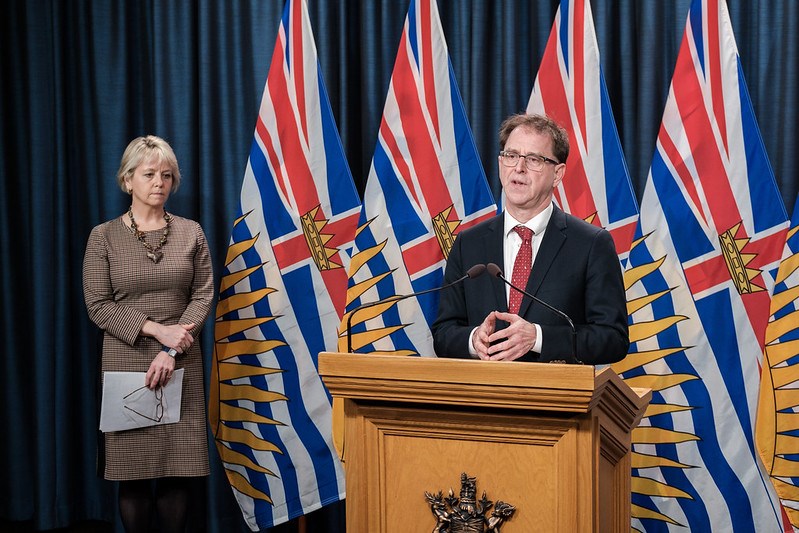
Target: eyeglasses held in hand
533,162
159,407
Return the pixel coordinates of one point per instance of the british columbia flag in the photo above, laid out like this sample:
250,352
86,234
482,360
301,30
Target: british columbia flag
570,88
282,294
700,277
426,183
777,430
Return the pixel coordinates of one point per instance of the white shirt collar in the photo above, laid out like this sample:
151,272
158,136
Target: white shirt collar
538,223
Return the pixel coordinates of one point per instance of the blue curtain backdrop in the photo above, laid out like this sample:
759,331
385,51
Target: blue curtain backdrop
79,79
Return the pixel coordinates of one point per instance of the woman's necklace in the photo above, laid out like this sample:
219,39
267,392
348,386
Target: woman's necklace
153,253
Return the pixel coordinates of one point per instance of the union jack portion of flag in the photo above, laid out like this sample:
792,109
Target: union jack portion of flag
282,294
699,278
570,88
426,183
778,410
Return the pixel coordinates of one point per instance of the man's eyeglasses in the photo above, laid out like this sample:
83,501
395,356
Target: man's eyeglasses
159,407
533,162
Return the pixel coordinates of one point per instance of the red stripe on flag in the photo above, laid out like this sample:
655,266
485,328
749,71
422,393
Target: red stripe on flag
422,256
295,249
623,236
707,274
706,156
293,154
710,273
427,254
428,80
416,132
714,272
271,154
702,142
396,156
553,94
672,155
714,64
578,65
336,282
473,222
298,65
342,230
291,251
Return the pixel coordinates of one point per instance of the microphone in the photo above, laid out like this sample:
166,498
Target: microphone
473,272
494,270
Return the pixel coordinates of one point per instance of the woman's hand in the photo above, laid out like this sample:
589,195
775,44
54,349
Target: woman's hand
160,371
176,336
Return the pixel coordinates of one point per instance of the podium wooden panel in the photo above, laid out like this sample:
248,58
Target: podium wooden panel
552,440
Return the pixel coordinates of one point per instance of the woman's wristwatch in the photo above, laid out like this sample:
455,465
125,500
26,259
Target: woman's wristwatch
171,352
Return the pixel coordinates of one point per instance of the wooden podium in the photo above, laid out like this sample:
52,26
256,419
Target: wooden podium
552,440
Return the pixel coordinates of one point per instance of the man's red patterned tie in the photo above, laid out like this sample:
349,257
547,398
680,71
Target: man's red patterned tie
521,268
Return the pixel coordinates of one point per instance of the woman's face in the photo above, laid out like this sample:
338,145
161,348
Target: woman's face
151,182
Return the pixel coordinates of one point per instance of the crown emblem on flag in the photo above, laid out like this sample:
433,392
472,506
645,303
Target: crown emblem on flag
737,261
317,240
445,230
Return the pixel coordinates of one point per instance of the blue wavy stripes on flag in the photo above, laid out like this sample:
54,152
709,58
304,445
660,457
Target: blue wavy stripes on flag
777,431
282,294
426,183
570,88
699,277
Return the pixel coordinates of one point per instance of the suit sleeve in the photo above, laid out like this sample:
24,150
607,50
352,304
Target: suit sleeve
602,331
451,328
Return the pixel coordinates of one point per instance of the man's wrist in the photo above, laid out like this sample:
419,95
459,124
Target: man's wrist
171,352
472,349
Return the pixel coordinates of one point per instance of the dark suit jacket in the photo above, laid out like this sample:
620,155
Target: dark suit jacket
576,270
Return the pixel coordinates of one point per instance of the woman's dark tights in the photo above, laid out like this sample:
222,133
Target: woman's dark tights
171,503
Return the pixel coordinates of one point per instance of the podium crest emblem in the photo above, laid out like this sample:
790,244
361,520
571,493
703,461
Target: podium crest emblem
466,514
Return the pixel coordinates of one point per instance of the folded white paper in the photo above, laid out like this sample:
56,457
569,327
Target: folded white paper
128,404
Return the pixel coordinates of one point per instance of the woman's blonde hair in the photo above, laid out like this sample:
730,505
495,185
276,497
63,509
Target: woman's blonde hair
142,149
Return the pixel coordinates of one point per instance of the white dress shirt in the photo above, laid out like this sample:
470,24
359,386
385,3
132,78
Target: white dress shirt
511,245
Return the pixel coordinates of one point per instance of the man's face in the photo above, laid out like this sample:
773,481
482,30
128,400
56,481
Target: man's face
528,192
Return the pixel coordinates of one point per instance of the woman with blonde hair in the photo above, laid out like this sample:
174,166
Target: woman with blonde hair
148,285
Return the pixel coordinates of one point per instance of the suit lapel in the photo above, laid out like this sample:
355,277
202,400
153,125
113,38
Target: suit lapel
553,240
494,242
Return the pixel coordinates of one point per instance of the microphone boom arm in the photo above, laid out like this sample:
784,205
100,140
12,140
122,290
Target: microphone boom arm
473,272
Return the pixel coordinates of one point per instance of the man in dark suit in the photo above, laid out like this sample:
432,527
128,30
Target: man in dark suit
574,267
